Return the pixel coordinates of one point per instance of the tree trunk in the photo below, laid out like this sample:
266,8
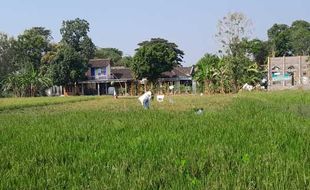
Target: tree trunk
31,90
236,86
222,87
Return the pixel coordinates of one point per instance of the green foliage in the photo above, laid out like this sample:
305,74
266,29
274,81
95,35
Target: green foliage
26,77
279,36
47,58
31,46
204,71
106,144
115,55
6,57
221,76
68,66
75,35
110,53
300,38
234,68
25,82
69,61
225,74
259,50
240,66
154,57
126,61
290,40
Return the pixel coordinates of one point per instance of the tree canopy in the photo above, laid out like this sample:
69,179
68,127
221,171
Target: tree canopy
70,61
68,66
233,34
31,46
6,55
31,62
232,29
290,40
75,35
110,53
154,57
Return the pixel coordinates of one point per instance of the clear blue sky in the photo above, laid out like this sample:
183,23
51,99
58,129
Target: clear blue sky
191,24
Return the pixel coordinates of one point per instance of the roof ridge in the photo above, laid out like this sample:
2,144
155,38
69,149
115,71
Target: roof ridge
181,70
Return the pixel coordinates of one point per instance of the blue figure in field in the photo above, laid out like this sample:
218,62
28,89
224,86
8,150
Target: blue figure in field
145,99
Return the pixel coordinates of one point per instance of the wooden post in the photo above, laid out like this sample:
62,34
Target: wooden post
125,88
82,89
106,88
131,88
98,86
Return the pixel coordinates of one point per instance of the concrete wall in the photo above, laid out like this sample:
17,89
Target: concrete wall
288,72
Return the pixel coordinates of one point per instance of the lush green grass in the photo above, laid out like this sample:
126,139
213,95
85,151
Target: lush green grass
244,141
18,103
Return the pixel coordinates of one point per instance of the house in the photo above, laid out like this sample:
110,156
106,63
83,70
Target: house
101,76
100,69
288,72
179,77
102,79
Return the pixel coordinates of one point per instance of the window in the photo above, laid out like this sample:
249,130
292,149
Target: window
104,71
99,71
92,71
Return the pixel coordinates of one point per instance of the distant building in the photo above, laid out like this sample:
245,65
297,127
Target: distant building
102,76
288,72
102,79
181,78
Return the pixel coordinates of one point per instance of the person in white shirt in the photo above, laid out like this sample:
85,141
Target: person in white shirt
145,99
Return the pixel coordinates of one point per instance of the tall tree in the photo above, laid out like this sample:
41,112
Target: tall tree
6,56
257,50
279,36
75,35
70,61
31,46
300,37
154,57
232,29
67,66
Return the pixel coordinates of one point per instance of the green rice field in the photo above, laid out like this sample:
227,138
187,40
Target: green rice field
257,140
